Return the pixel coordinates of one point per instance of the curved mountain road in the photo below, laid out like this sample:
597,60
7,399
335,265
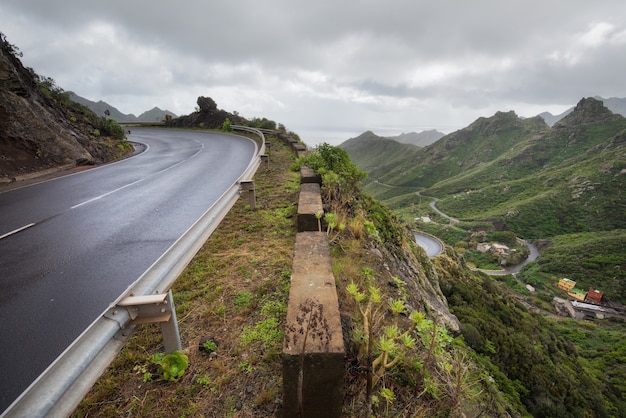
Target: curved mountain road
70,246
433,247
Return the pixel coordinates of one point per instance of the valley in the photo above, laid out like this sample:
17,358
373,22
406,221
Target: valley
503,180
559,187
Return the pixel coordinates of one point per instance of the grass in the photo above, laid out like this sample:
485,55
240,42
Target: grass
234,292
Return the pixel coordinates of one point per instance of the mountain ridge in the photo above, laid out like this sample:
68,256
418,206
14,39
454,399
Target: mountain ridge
100,107
421,139
614,104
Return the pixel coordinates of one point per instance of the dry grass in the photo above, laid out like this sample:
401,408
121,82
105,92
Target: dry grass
234,292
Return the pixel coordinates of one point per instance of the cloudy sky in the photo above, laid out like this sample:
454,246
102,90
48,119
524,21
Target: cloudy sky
329,70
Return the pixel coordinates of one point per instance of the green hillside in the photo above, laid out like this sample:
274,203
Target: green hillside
509,173
457,153
372,151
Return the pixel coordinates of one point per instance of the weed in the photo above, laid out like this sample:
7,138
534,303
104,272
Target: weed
204,380
243,299
209,346
274,308
266,332
245,367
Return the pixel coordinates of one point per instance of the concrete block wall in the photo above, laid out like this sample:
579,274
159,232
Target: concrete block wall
309,207
314,350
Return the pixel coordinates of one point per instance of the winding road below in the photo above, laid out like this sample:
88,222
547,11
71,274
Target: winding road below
70,246
433,247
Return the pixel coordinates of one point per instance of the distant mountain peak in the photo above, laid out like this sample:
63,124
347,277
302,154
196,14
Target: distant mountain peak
614,104
588,110
153,115
420,139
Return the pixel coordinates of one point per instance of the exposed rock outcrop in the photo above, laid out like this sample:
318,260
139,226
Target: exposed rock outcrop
40,128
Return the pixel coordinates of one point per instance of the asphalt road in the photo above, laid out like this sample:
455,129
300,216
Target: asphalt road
70,246
432,246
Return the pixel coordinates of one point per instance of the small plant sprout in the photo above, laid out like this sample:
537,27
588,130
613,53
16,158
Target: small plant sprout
318,216
209,346
172,365
205,381
388,395
397,307
333,225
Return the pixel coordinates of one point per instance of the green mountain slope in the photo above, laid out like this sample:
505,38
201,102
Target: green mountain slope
456,153
520,175
564,180
535,180
370,151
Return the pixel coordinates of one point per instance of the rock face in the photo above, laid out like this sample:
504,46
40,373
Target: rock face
588,110
40,128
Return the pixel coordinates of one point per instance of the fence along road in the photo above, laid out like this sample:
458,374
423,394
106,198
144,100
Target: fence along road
172,227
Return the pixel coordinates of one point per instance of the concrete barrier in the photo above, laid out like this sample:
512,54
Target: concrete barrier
308,175
309,204
300,150
313,352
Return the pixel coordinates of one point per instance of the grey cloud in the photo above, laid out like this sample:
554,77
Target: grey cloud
345,64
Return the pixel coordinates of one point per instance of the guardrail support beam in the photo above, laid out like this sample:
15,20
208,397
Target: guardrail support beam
150,309
248,185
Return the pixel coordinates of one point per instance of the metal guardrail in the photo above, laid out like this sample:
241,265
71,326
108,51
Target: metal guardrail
60,388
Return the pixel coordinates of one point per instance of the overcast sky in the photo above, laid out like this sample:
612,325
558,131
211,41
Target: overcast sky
329,70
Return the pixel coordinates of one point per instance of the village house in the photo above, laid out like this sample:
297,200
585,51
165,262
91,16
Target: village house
500,249
593,296
566,284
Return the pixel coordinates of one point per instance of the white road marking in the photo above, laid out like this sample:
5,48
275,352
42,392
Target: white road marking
16,231
105,195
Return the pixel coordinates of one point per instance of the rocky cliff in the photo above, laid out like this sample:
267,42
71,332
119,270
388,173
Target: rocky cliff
41,128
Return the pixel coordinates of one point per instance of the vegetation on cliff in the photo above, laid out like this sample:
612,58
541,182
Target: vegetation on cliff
41,128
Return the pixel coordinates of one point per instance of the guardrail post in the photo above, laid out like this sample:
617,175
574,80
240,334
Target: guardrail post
265,159
169,329
248,185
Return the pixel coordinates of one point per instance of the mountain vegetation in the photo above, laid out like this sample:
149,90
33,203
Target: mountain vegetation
561,187
519,175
